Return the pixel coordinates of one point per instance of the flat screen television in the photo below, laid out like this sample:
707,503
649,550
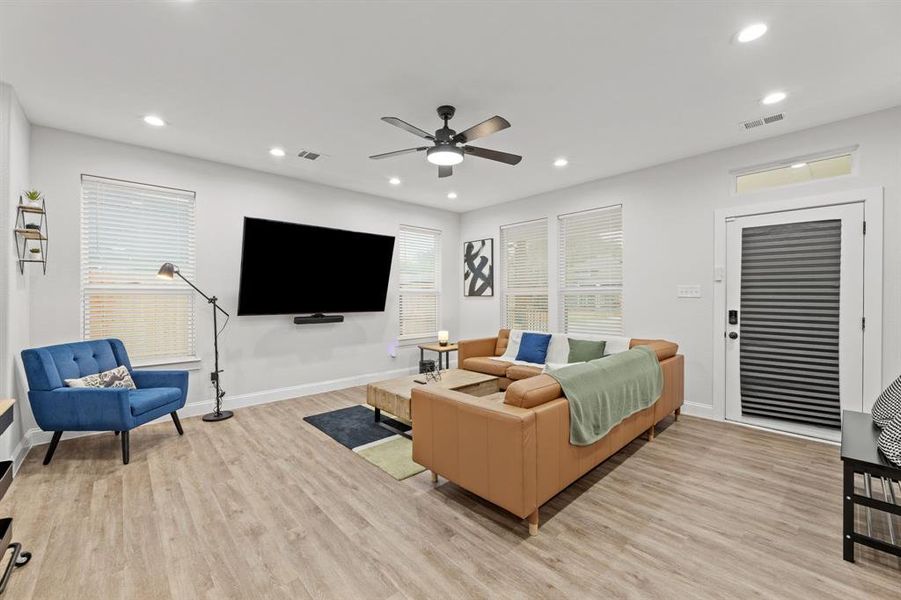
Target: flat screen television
289,268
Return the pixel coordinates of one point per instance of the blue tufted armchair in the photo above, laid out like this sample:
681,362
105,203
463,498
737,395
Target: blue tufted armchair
58,408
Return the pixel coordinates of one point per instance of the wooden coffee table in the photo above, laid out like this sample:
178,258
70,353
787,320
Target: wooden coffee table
393,395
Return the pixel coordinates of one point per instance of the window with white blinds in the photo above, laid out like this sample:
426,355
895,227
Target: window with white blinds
591,271
420,281
127,231
524,292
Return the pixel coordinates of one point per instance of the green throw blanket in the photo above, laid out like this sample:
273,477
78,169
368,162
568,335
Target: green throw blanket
603,392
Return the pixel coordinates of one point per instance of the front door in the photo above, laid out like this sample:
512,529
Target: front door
794,318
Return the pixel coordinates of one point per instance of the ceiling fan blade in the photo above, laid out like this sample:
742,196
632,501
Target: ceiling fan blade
492,125
445,171
407,127
504,157
399,152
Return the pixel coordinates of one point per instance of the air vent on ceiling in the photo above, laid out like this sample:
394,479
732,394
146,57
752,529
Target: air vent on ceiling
308,155
762,121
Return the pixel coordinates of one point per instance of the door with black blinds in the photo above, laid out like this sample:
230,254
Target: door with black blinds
789,347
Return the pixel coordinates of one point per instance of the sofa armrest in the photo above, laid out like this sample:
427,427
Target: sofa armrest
663,348
82,409
480,444
157,379
470,348
533,391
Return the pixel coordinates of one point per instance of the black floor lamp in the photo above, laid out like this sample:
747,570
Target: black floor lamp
168,271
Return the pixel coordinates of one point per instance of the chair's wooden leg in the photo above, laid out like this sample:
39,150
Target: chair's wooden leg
125,447
676,413
533,523
53,443
177,423
434,477
651,432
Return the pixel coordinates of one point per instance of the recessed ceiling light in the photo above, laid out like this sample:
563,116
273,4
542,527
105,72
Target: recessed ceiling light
751,33
774,97
561,162
276,152
394,181
154,120
799,165
452,195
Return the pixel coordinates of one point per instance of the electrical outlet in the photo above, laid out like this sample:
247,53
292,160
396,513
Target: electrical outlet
688,291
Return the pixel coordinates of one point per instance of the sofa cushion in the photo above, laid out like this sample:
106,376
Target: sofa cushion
533,347
663,348
516,372
585,350
533,391
503,338
487,365
147,399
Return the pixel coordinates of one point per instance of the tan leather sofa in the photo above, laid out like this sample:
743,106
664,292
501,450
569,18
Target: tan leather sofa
513,448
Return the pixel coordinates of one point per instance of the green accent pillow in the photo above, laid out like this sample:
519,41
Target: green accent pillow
585,350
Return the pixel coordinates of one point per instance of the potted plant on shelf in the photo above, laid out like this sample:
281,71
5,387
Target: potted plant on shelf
35,253
34,197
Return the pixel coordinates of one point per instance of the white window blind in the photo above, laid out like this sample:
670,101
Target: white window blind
524,272
420,281
591,271
127,231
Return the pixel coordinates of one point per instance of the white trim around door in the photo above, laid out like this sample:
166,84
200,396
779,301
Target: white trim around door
872,199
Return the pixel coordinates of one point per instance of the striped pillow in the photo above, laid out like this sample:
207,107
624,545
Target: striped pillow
888,404
890,440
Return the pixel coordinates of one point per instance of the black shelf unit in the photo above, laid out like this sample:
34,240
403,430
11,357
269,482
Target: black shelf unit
29,237
19,557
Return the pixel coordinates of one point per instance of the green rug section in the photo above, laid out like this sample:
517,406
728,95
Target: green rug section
393,456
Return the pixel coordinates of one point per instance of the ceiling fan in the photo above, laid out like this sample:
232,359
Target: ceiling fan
449,146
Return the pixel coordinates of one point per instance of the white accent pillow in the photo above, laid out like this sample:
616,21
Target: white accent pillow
558,349
114,378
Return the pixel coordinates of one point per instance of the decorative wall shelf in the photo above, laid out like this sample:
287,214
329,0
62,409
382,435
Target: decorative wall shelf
31,234
19,557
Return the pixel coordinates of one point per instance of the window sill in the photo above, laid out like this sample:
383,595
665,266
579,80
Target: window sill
189,363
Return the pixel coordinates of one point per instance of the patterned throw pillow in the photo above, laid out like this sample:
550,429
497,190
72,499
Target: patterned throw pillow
888,404
890,440
114,378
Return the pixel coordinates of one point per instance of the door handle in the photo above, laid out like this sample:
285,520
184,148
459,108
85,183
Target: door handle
733,335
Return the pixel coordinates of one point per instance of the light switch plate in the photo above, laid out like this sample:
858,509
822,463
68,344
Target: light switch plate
688,291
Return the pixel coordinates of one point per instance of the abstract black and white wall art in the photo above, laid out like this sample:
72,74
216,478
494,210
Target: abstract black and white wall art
478,268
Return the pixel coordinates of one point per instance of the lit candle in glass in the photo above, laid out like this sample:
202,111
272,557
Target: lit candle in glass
442,338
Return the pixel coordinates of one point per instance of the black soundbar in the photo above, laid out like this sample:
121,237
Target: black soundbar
318,318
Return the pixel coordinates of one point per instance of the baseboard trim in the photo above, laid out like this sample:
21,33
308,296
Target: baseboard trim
37,437
21,451
699,410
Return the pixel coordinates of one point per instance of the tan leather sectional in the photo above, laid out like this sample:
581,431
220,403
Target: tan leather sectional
513,448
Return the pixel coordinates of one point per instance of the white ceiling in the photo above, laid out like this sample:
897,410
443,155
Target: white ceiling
611,86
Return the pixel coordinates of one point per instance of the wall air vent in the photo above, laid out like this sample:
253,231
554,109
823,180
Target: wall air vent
762,121
308,155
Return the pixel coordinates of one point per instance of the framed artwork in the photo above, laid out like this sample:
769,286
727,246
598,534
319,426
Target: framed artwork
478,268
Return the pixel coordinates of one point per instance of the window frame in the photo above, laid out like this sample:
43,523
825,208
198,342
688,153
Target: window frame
524,291
191,360
415,338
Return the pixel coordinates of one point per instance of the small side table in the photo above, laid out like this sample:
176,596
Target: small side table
861,455
441,350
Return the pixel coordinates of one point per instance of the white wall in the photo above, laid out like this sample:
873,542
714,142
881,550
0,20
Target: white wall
264,357
668,214
15,132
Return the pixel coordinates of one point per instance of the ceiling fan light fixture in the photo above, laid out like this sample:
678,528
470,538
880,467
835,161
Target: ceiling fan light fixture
445,156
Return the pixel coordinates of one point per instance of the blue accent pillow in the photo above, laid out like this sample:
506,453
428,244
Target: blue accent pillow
533,347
